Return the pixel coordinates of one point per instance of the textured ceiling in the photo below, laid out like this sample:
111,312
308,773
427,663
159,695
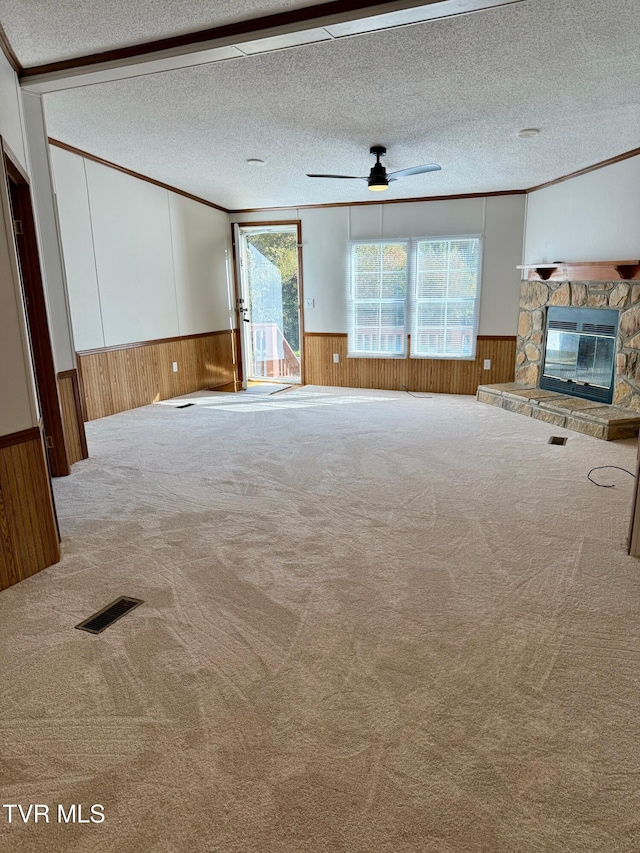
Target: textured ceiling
42,31
453,91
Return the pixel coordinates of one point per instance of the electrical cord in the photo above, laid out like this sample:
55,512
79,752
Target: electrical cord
417,396
607,485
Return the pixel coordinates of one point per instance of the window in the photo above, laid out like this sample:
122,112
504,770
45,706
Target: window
378,299
443,303
446,298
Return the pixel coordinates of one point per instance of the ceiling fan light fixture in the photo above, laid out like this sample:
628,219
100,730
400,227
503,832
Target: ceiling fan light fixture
378,181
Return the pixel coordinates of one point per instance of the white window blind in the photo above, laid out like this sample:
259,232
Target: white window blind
377,321
446,298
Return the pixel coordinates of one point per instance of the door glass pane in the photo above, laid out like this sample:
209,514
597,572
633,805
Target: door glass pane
274,309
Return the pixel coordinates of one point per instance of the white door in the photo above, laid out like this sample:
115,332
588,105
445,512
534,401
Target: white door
269,302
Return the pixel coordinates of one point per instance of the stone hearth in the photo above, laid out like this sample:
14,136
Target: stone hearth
586,416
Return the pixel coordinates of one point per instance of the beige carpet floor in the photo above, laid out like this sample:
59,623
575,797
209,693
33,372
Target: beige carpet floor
372,624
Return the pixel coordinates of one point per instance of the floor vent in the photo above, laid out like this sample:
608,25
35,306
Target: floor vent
185,405
558,439
108,615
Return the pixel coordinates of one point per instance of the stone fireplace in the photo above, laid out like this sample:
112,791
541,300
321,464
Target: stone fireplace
563,408
624,296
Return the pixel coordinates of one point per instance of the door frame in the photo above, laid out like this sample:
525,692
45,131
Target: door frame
236,280
27,259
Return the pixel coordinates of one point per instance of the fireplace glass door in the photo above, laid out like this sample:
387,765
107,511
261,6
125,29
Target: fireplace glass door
580,352
584,359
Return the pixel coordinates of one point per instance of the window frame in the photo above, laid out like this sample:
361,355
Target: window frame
351,301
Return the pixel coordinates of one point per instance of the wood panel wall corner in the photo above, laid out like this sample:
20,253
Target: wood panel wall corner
116,379
71,406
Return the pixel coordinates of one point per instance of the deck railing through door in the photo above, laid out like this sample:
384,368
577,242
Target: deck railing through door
273,356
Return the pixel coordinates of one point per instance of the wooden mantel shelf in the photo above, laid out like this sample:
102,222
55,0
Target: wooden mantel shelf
583,271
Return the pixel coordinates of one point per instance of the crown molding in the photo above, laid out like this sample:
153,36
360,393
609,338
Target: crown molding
12,59
617,159
379,201
634,152
87,155
66,147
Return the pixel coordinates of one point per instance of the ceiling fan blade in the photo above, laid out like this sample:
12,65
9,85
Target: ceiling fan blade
341,177
415,170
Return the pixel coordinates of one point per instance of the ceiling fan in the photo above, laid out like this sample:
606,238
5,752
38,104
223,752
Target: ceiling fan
378,179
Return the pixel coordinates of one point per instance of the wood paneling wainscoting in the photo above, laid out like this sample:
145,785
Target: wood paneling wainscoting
115,379
73,419
28,528
439,375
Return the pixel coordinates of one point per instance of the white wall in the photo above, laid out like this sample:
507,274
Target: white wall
17,395
201,240
77,240
594,217
144,263
502,252
132,244
326,231
141,262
